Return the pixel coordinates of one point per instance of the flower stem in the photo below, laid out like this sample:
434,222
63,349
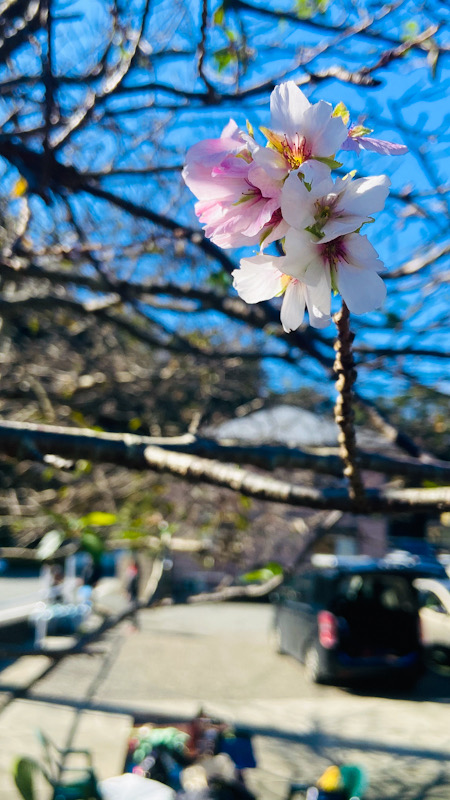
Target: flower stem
344,367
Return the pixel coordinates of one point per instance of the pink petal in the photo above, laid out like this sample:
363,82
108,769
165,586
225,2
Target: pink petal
358,143
273,163
201,159
265,183
230,240
351,144
231,131
259,215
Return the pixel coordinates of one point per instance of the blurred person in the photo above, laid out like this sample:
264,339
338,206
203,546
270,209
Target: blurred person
132,579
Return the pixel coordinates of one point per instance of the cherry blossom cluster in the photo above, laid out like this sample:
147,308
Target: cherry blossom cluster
250,194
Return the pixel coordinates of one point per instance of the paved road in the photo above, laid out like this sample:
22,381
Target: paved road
18,590
222,658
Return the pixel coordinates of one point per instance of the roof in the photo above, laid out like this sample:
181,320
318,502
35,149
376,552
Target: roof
292,426
282,424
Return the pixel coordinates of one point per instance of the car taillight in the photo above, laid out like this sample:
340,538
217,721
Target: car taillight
328,629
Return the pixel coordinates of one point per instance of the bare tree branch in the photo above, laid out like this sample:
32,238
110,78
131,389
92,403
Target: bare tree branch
28,441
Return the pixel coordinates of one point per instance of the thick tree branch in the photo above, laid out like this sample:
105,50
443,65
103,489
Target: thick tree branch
27,441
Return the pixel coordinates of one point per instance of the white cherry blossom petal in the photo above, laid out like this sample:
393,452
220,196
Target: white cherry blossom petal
303,259
339,227
318,301
258,278
362,290
361,253
278,231
365,196
314,172
297,203
293,307
287,107
324,133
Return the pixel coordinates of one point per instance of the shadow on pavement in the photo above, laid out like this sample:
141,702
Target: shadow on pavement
433,686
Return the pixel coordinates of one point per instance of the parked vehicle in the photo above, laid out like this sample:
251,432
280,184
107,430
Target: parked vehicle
354,617
434,600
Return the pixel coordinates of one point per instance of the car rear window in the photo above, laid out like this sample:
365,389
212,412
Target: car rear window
392,592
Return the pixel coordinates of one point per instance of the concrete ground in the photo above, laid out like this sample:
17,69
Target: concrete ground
221,658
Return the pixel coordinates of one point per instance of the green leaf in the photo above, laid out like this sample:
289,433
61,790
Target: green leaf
92,544
219,280
342,111
24,769
135,423
264,573
99,518
231,35
219,16
223,58
330,162
132,533
305,9
360,130
411,30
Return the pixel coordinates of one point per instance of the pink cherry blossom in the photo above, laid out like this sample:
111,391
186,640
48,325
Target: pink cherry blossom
238,183
252,194
204,156
328,208
263,277
239,204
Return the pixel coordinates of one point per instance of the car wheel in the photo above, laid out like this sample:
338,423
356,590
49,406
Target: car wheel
312,665
439,656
